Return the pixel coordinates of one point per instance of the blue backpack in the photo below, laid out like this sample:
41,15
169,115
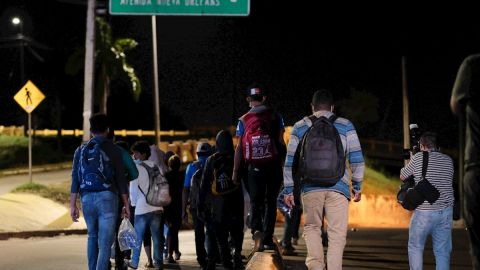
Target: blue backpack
96,172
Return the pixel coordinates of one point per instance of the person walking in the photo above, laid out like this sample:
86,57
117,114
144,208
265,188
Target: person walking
98,175
315,168
465,102
226,202
147,217
260,148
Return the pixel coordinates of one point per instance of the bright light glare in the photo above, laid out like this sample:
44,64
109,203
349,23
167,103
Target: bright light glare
16,20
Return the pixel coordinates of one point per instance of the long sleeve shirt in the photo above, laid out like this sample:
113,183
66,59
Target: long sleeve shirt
351,146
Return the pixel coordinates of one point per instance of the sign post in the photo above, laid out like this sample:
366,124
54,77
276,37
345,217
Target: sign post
28,97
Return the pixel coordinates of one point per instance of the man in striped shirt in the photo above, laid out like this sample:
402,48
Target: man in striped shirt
333,200
436,218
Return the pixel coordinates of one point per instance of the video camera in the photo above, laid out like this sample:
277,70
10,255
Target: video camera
415,134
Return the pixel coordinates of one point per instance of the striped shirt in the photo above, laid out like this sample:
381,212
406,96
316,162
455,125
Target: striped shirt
353,152
439,174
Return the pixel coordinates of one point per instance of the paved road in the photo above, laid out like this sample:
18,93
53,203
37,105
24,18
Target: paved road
387,249
10,182
366,249
69,252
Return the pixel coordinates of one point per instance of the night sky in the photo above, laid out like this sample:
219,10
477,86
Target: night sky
206,63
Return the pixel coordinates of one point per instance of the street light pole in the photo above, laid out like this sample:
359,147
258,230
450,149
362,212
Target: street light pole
18,21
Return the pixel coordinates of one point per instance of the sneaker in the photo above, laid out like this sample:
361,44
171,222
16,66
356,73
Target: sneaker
171,259
149,265
177,255
294,241
268,245
288,251
237,262
258,240
129,264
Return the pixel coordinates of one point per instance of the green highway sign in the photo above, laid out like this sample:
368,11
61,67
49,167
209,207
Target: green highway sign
181,7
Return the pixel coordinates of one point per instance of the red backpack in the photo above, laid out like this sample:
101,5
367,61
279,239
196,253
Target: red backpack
257,142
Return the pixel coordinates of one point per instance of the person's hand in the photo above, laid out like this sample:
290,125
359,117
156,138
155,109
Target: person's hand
289,200
357,196
74,213
126,212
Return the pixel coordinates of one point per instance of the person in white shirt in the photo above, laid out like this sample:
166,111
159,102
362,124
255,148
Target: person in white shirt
147,217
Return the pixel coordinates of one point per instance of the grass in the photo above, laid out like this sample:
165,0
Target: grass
377,183
13,141
57,192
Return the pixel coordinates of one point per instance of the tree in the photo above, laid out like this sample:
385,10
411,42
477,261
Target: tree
110,63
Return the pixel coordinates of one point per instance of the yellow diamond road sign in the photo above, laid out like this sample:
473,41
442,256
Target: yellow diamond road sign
29,96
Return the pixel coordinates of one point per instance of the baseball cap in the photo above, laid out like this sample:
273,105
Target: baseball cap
204,148
255,91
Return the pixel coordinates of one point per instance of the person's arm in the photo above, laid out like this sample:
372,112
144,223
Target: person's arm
75,186
297,133
121,182
461,87
132,172
408,170
356,161
238,157
186,189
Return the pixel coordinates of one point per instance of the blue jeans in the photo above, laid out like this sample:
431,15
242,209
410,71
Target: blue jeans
438,223
100,213
150,221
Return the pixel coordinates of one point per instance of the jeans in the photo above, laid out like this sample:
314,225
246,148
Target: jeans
100,213
153,222
438,223
264,185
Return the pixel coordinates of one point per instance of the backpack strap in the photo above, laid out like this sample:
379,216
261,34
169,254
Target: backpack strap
149,173
424,164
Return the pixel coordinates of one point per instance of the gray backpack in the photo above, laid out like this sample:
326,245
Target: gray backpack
321,158
158,193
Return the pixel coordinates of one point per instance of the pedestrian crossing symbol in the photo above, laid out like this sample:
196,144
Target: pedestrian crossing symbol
28,97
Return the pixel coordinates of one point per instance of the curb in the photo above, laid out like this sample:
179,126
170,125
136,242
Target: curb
49,233
43,168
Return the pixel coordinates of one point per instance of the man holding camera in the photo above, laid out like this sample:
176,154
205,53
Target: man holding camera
433,218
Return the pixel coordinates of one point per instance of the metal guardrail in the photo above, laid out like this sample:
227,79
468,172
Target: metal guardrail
18,131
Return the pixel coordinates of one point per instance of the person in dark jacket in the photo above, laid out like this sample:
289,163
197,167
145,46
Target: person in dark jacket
226,202
173,211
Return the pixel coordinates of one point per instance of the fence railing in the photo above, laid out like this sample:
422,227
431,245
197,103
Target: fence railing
186,149
18,131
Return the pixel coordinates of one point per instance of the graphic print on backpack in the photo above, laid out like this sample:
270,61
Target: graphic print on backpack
95,173
158,193
258,146
322,158
222,172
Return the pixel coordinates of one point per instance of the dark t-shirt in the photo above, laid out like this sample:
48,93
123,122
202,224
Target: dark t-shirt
466,92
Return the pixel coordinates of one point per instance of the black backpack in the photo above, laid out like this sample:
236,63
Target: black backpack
321,158
195,185
222,175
